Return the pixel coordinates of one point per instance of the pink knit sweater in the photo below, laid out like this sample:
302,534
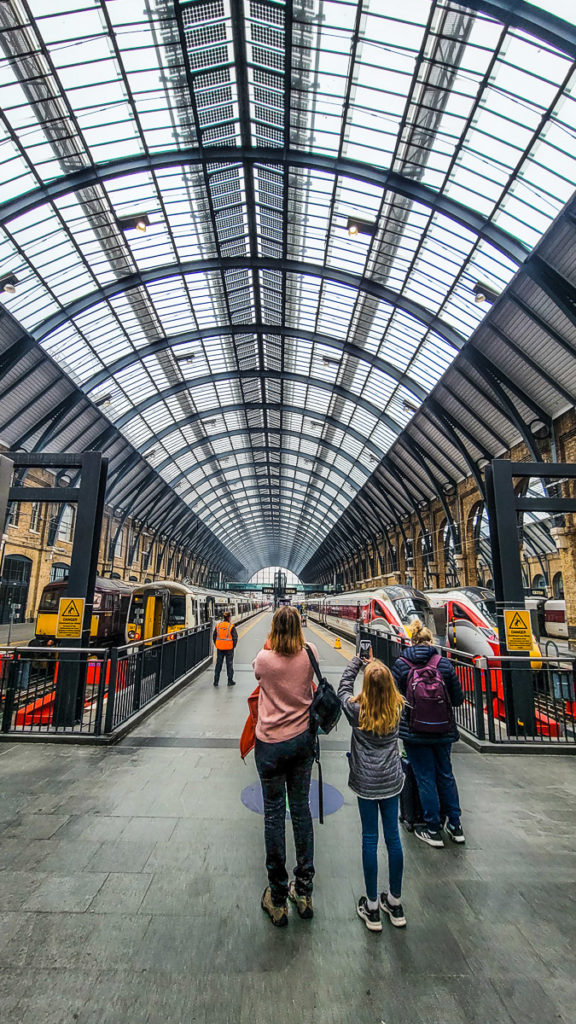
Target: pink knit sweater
285,694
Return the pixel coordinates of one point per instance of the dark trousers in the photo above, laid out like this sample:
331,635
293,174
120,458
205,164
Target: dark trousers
220,655
286,768
436,783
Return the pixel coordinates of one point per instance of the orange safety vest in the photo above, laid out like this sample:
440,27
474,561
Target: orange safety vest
224,641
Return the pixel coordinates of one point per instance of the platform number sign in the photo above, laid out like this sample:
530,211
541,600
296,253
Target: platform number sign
518,629
70,618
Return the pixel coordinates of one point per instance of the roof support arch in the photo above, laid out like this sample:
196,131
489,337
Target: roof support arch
216,264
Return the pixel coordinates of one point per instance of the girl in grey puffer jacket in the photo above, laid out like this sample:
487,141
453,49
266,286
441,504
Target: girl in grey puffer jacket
376,777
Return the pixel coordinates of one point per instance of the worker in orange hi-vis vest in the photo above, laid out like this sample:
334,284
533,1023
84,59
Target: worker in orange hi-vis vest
225,638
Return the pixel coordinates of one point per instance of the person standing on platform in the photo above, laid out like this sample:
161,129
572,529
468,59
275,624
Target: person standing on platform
225,638
376,777
284,754
429,752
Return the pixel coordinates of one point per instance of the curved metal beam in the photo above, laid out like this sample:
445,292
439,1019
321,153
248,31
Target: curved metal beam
216,264
232,330
529,18
263,375
210,459
330,421
354,169
240,432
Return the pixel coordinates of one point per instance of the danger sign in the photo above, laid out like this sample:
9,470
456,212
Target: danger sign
518,629
70,618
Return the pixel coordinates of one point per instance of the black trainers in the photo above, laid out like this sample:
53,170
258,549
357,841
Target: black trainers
215,683
278,915
303,904
455,833
395,912
428,836
371,918
233,683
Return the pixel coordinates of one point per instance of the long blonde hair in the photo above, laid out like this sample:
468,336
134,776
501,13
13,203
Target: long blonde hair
286,636
380,702
420,634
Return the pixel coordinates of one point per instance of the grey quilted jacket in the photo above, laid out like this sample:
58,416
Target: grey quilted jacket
375,766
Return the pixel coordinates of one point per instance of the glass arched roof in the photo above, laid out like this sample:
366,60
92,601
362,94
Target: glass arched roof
260,357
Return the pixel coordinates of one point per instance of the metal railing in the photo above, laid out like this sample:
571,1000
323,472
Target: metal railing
92,692
547,686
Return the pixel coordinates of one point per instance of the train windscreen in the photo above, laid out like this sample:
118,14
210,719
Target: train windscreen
485,605
177,613
49,601
405,610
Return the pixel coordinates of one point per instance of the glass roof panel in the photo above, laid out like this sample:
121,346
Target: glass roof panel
246,304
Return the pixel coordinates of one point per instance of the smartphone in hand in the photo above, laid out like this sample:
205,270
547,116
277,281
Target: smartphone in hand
365,650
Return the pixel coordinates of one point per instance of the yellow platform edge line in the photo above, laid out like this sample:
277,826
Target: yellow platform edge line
344,654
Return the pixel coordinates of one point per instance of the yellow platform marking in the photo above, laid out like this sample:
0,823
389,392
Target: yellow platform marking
346,654
257,618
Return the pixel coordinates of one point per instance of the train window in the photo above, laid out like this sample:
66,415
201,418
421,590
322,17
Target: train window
486,606
177,613
459,612
137,610
405,609
49,601
379,610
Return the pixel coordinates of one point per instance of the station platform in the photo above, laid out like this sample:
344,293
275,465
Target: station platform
131,877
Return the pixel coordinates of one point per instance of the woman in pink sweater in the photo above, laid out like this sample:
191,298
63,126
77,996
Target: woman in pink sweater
284,756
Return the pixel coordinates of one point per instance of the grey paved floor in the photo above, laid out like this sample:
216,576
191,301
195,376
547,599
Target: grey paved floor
130,881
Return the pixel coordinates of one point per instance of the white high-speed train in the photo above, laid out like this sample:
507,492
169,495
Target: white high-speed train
389,609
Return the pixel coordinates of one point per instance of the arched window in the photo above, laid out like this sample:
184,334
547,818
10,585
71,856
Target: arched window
59,571
66,527
14,586
558,586
539,581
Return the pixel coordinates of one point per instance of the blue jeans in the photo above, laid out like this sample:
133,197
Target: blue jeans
286,768
436,783
369,815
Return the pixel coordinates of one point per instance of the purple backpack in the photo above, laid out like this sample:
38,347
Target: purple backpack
428,703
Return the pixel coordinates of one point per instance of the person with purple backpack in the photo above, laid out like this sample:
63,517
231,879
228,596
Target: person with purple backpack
428,729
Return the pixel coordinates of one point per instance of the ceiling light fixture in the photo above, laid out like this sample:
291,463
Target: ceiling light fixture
483,293
209,423
139,222
103,402
356,227
8,284
409,406
330,361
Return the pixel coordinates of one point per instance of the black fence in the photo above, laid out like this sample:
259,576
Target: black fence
548,687
110,686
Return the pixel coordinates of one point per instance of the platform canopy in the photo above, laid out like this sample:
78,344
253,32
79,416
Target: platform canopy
255,243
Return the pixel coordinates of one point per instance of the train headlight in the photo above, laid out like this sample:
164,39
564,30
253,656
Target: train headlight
131,634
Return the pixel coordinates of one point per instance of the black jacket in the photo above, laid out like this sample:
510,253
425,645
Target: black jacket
420,654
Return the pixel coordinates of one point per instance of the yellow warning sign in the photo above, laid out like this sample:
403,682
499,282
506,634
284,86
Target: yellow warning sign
518,629
70,617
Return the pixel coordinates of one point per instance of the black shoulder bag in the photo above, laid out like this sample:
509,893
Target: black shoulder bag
325,711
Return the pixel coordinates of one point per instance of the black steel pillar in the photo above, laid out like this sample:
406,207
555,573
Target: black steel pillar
509,590
81,582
